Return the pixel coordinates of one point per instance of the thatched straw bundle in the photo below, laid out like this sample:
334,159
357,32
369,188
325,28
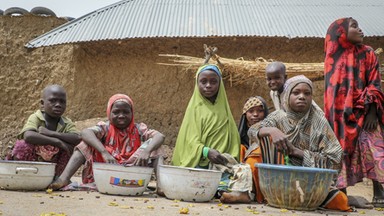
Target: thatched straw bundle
239,70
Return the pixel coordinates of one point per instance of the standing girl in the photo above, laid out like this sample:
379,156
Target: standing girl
353,105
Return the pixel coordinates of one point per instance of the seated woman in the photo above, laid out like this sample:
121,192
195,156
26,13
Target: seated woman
303,133
255,110
208,135
118,140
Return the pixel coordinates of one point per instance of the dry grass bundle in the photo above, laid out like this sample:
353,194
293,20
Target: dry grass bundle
238,71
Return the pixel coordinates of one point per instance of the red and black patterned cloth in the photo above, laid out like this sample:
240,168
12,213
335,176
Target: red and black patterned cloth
352,83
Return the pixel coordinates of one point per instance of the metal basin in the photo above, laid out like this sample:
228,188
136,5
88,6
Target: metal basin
26,175
119,180
188,184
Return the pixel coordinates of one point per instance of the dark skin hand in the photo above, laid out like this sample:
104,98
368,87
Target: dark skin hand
280,140
156,142
370,121
216,157
70,138
90,138
143,158
108,158
36,138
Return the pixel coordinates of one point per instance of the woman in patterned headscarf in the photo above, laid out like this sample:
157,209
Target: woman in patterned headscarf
353,105
119,140
303,133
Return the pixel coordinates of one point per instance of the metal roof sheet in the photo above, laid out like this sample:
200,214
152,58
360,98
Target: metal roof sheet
215,18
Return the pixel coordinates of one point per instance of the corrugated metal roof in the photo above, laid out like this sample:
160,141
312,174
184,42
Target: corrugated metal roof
217,18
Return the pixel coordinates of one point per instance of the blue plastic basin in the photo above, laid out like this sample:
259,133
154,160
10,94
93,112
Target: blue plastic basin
294,187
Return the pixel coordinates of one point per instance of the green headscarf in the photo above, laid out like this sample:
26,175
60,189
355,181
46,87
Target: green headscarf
206,124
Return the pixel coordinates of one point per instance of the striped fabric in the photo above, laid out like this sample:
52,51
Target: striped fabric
309,132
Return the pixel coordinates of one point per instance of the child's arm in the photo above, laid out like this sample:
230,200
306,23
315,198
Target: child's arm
157,141
89,137
35,138
70,138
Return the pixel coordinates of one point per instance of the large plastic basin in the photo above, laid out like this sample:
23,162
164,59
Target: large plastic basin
294,187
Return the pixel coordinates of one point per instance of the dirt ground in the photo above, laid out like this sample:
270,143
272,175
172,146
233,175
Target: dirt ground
93,203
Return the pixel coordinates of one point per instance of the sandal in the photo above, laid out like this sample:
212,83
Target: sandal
378,202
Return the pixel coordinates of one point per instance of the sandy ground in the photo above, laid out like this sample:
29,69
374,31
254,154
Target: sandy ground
37,203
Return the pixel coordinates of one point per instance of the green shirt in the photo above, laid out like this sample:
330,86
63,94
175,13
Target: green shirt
65,125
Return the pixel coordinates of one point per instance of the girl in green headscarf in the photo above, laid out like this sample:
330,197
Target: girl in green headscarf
208,127
208,137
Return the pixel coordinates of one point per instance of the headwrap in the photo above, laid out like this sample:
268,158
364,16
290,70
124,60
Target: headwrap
352,84
213,68
307,131
295,79
121,144
206,124
243,125
252,102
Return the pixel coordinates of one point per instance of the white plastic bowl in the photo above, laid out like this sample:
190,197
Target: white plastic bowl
188,184
119,180
26,175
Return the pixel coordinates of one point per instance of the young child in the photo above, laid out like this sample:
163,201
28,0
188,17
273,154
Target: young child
276,76
208,135
119,140
48,136
255,110
354,105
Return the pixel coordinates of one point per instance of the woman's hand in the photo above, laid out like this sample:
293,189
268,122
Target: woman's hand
294,151
370,121
290,148
215,157
108,158
279,139
143,158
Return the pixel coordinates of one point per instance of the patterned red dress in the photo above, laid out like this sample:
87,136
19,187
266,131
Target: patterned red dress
352,84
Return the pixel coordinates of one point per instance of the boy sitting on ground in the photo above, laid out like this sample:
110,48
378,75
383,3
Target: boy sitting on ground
47,136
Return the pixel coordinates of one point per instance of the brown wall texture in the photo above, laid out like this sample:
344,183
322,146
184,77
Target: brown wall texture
92,72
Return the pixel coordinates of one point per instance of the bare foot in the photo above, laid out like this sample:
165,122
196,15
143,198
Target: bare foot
58,183
235,197
160,192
